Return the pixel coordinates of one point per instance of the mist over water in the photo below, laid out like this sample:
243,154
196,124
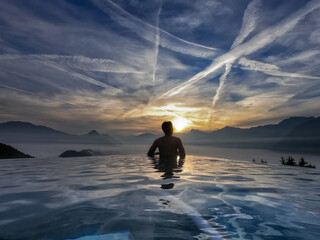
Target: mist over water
246,154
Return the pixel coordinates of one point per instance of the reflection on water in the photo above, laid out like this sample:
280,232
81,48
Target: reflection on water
121,196
169,168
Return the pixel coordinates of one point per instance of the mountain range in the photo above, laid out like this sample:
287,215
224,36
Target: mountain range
24,132
295,134
298,134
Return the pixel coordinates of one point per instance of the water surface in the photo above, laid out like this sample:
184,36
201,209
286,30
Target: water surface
121,197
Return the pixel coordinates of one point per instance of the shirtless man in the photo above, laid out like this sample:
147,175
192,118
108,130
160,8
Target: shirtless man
169,148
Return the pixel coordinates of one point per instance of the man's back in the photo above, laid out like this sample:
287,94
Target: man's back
169,147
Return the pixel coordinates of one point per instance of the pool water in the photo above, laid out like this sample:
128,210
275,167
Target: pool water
125,197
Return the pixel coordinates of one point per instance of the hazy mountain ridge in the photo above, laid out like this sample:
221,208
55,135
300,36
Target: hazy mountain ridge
24,132
292,134
282,129
299,134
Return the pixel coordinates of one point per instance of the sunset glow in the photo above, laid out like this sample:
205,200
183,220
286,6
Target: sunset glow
180,123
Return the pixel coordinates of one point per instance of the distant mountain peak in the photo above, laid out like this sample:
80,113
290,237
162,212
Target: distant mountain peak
26,127
93,133
228,127
195,131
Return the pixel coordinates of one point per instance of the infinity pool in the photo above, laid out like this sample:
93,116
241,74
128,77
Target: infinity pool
125,197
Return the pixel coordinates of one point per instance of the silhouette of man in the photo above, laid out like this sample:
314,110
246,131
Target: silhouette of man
169,148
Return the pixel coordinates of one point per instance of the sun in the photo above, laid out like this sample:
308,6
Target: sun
180,123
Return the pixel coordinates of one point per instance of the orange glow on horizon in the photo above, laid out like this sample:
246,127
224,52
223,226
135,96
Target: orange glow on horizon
180,123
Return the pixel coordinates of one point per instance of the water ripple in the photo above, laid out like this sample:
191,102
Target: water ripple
212,198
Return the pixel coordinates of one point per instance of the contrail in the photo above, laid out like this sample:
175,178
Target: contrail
220,62
91,64
255,43
222,80
248,22
248,25
81,76
270,69
156,46
35,94
216,97
80,62
143,29
46,59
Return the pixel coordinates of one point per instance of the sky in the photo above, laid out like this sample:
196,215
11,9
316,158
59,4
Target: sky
125,66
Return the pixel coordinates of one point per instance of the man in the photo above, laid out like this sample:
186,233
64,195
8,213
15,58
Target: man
169,148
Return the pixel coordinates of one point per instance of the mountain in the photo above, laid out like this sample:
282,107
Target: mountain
24,132
307,129
92,133
146,138
16,127
6,152
300,134
281,129
293,134
302,138
95,137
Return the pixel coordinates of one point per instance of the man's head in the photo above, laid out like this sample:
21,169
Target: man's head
167,128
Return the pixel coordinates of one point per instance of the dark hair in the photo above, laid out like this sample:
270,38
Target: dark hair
167,128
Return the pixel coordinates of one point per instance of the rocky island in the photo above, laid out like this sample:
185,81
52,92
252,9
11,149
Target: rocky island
82,153
6,152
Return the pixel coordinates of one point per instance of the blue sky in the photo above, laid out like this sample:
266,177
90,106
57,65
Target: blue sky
125,66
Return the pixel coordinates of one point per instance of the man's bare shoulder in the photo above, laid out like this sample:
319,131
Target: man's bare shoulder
176,139
158,139
166,138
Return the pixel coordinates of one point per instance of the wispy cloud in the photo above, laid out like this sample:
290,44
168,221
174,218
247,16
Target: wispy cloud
156,46
255,43
146,30
41,96
270,69
222,80
249,22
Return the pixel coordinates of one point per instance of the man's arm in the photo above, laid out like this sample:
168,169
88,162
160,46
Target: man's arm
182,153
152,149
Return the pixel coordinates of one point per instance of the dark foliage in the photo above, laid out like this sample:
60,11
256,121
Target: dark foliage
290,161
